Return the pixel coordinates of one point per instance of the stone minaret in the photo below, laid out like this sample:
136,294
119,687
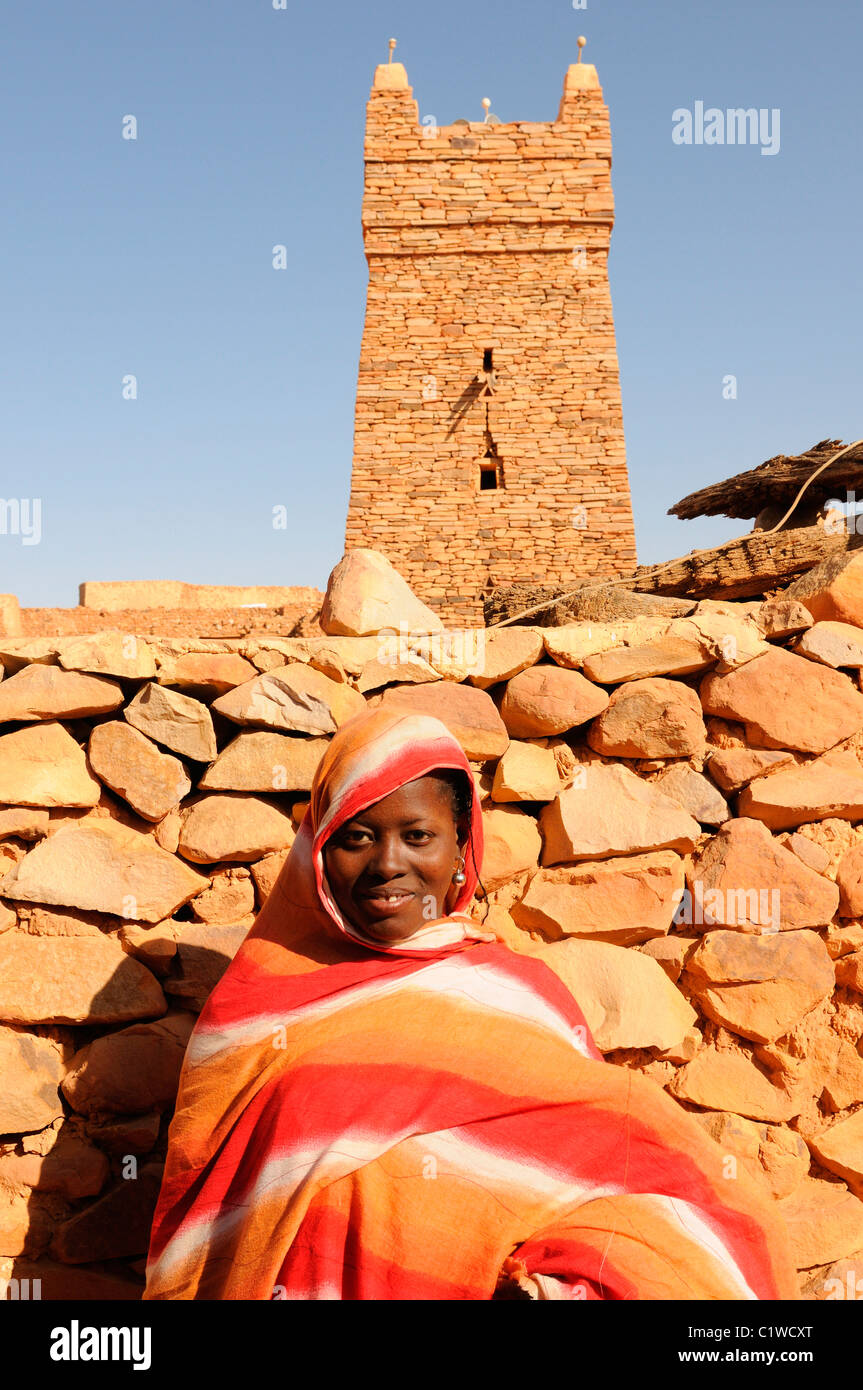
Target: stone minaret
488,443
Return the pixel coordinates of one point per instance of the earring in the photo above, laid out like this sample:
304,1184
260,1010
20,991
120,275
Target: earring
460,876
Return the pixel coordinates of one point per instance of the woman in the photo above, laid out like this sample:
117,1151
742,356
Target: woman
382,1101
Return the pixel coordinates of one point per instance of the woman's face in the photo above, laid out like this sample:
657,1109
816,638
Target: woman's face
390,868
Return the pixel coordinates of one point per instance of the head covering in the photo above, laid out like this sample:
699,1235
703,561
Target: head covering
370,756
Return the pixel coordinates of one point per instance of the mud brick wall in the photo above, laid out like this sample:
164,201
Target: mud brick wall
674,823
489,237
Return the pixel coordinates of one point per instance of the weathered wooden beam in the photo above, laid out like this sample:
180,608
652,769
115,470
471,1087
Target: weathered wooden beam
743,568
748,566
776,483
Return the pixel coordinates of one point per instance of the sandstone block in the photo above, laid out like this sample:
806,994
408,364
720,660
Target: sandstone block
549,699
512,844
79,979
131,765
744,878
230,825
733,768
205,951
366,593
731,1081
609,810
115,1226
263,761
624,901
785,701
470,715
505,652
174,720
694,793
663,656
32,1069
653,718
526,772
824,787
824,1221
626,998
107,867
112,653
49,692
44,766
833,644
130,1072
759,986
294,698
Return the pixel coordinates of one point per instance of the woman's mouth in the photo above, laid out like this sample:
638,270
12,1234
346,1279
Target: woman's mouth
385,903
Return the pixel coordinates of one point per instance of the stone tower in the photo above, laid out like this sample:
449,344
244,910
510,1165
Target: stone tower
488,443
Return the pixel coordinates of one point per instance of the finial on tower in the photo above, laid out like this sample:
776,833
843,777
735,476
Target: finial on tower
390,75
486,102
581,41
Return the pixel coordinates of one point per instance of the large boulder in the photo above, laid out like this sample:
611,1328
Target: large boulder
366,594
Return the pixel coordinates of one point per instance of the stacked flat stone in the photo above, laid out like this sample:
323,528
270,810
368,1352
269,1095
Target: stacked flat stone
489,236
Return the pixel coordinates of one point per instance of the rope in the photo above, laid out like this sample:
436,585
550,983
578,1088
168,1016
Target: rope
658,569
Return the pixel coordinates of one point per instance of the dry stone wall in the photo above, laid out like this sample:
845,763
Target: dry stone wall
674,823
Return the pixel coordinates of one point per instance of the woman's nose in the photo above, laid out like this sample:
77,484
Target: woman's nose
387,859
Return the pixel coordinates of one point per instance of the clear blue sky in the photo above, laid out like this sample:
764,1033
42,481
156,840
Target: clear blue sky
153,257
